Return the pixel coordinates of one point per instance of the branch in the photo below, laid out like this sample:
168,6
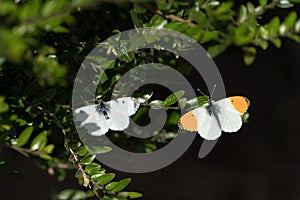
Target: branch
86,177
169,16
33,152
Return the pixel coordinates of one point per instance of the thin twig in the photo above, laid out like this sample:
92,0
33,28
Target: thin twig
33,152
74,155
168,16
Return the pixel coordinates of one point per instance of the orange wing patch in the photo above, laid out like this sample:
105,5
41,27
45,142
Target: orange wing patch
240,103
188,122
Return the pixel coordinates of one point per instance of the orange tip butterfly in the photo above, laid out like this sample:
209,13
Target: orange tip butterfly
216,116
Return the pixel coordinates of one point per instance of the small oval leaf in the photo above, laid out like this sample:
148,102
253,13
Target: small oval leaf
81,151
105,178
87,159
39,141
173,98
70,194
118,186
92,168
24,136
134,195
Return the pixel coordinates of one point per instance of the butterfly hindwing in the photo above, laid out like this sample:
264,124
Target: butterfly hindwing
91,119
208,126
214,131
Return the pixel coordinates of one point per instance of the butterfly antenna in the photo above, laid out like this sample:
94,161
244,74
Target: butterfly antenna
201,92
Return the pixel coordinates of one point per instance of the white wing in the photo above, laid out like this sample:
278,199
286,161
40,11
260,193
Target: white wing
91,119
214,130
118,112
131,104
229,118
208,126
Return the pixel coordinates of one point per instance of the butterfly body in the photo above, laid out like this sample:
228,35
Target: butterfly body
216,116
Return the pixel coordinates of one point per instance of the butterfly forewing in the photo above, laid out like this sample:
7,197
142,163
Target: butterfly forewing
119,112
229,118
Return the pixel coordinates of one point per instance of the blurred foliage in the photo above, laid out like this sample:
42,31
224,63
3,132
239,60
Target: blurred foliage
43,44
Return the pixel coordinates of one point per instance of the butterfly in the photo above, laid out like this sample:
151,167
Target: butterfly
114,115
216,116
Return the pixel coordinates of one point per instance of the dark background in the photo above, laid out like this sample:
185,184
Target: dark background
261,161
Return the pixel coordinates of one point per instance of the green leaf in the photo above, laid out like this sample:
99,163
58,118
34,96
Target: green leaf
297,26
223,11
70,194
45,96
199,17
285,4
250,7
107,198
195,32
118,186
173,118
245,118
288,23
216,50
144,96
135,19
207,36
198,101
294,37
249,55
30,9
180,27
45,156
134,195
99,149
81,151
4,107
24,136
273,26
263,2
263,33
156,104
49,148
182,102
242,15
7,7
173,98
276,42
263,44
92,168
111,185
122,195
244,33
39,142
213,3
52,6
105,178
87,159
158,21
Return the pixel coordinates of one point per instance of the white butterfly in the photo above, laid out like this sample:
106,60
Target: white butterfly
214,117
114,115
